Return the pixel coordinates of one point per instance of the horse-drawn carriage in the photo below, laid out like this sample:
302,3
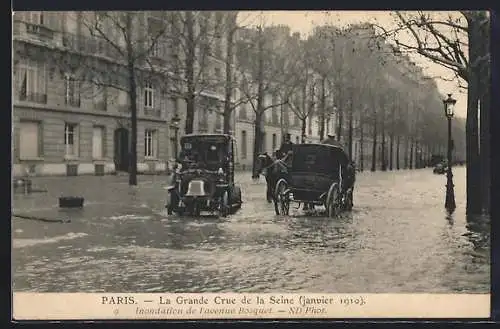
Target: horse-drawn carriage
204,177
319,174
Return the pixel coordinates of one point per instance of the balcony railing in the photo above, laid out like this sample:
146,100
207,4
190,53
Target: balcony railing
152,112
73,100
89,45
40,31
33,97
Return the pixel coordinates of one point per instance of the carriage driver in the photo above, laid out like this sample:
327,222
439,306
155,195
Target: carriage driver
330,140
286,146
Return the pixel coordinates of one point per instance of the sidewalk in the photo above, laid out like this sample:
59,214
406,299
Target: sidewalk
110,189
107,199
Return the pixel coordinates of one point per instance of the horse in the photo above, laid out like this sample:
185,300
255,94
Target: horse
265,166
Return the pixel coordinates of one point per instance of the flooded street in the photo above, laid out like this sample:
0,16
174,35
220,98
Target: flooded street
397,239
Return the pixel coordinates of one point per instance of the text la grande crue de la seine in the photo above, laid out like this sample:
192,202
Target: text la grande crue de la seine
201,300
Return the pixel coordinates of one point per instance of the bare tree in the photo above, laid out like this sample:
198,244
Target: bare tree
263,72
458,42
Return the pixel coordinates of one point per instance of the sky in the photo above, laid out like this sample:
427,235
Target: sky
305,21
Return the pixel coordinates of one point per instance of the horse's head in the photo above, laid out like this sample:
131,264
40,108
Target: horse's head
263,161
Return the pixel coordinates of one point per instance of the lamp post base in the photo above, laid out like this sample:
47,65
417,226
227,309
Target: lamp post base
449,203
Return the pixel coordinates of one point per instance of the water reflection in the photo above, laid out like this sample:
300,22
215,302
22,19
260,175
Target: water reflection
450,219
191,233
479,232
315,234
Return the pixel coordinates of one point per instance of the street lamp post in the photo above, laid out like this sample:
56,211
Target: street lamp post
175,125
450,206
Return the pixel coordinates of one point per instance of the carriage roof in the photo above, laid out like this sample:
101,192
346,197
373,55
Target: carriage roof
208,135
318,158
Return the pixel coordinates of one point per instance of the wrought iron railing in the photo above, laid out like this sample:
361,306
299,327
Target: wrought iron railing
152,112
73,100
33,97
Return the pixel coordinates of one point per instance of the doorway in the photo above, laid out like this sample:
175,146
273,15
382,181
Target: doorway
121,155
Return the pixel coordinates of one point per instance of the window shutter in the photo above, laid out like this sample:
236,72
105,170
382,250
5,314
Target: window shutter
158,99
157,144
77,141
28,141
41,79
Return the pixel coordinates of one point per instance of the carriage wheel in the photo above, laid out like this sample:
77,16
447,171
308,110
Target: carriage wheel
282,203
332,206
224,204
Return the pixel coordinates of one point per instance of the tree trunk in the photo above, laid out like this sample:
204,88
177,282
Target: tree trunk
132,180
190,63
474,191
484,150
383,153
323,109
411,153
391,140
374,142
407,146
398,143
340,112
303,130
417,155
361,143
350,127
228,109
391,151
257,147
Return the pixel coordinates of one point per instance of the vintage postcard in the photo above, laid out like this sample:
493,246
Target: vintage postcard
250,165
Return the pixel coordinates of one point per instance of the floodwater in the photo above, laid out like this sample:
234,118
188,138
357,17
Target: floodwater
398,238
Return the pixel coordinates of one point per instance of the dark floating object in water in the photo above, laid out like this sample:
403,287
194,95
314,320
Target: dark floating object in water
42,219
71,202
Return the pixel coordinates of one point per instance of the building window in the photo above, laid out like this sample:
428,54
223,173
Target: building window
149,95
218,75
296,121
71,139
32,83
29,140
218,123
100,98
123,103
203,120
243,144
274,141
243,111
36,17
150,143
98,143
72,91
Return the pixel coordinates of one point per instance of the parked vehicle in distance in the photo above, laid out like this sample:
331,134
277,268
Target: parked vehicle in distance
439,169
204,177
